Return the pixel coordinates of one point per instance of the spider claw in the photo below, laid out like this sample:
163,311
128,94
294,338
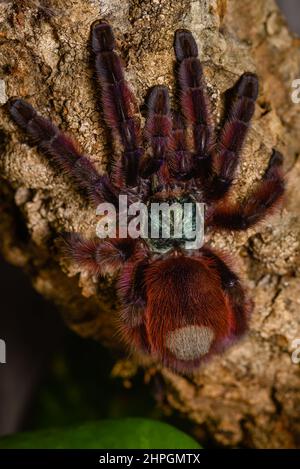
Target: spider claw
159,101
185,45
21,111
247,86
274,165
102,37
275,159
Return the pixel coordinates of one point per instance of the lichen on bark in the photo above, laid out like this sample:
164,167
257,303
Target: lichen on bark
250,395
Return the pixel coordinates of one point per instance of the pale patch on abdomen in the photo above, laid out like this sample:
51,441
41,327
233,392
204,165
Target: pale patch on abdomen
190,342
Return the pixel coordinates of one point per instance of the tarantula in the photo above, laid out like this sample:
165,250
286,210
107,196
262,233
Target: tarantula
180,306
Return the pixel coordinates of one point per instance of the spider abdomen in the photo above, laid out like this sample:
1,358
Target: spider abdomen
187,315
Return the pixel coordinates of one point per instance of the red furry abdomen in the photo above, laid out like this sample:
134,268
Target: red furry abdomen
187,316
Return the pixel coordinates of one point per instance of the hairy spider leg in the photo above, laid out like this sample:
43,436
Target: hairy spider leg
194,102
263,199
157,131
64,152
118,104
233,134
99,257
180,161
132,291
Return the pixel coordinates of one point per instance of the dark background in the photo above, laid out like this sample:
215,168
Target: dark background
47,369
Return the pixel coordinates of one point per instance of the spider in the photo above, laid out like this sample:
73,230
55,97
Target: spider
180,306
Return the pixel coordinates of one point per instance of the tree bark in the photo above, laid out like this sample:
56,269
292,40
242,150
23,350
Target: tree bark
250,395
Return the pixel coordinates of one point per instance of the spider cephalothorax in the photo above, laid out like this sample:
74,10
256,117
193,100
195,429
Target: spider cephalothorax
179,305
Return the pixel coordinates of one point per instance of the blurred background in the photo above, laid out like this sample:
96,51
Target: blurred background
291,10
54,377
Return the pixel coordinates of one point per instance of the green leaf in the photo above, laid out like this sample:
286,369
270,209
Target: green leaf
128,433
